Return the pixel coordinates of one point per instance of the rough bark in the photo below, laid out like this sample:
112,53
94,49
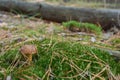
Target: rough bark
105,17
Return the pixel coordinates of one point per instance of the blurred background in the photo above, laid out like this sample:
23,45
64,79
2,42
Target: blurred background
115,4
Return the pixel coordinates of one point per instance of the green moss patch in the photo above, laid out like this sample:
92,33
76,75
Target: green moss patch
86,27
58,61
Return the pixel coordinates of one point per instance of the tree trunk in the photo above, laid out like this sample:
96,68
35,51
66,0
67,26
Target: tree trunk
105,17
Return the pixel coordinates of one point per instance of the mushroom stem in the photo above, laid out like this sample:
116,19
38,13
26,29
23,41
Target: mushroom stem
29,58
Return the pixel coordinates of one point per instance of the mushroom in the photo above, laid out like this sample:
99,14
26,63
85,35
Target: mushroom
27,51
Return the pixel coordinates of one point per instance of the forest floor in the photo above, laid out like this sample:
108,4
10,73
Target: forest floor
62,54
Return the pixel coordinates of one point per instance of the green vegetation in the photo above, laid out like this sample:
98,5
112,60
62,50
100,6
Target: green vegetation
87,27
58,61
116,41
59,57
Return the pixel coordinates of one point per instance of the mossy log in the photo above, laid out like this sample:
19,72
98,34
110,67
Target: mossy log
105,17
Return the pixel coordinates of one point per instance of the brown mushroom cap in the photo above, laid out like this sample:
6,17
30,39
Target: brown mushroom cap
28,49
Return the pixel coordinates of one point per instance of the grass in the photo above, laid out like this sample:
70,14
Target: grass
116,41
87,27
58,60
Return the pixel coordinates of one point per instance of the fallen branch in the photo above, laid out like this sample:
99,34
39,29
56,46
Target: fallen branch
105,17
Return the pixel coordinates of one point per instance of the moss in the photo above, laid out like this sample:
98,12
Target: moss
87,27
116,41
63,59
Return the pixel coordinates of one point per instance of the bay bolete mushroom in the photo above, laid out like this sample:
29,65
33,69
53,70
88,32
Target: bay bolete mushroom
27,51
